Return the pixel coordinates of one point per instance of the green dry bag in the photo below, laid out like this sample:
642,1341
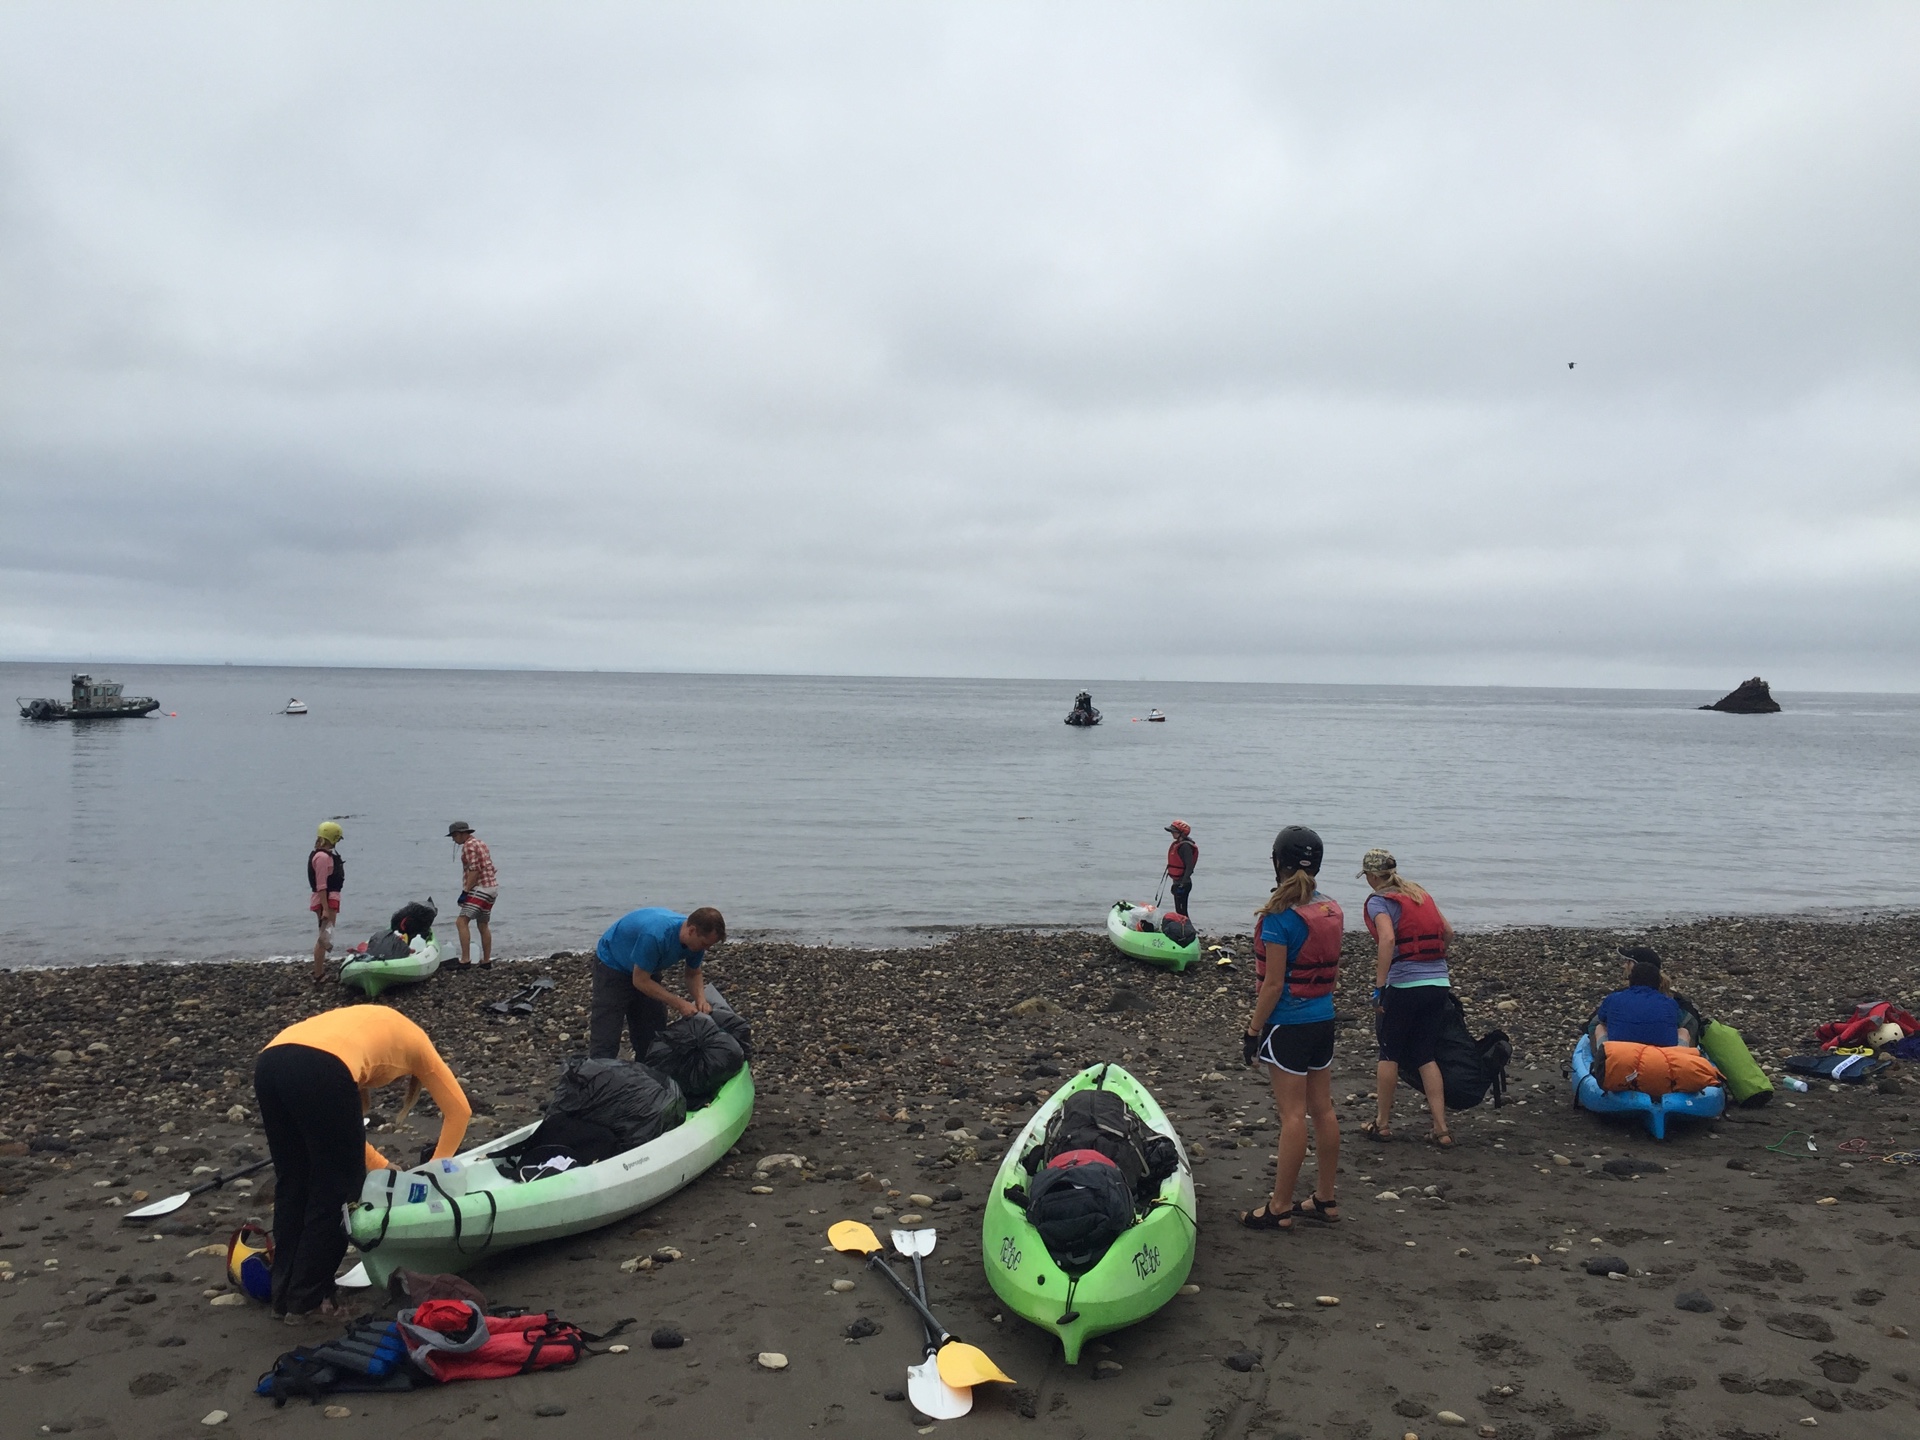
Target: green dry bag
1747,1083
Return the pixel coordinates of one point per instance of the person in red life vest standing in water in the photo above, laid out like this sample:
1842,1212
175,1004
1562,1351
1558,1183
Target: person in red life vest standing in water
1296,943
627,964
1183,858
1411,990
479,888
326,874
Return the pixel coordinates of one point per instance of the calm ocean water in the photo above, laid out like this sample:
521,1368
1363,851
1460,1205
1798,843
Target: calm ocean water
870,810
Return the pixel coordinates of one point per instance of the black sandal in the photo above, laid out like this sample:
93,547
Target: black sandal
1316,1210
1264,1218
1441,1139
1373,1132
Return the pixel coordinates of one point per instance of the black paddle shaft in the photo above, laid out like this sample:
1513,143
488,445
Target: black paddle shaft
934,1327
920,1284
214,1184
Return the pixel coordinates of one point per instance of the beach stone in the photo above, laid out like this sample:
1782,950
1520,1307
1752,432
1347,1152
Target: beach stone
1036,1005
1107,1369
896,1396
842,1286
1242,1360
237,1115
1606,1265
1693,1300
921,1201
668,1337
953,1193
771,1360
1801,1326
228,1299
862,1328
549,1411
665,1255
63,1057
618,1349
337,1412
1449,1417
214,1417
1189,1290
1328,1300
760,1189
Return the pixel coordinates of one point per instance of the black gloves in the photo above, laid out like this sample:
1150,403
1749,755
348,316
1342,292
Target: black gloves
1249,1046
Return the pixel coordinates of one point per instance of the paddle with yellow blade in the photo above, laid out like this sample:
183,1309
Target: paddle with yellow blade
961,1365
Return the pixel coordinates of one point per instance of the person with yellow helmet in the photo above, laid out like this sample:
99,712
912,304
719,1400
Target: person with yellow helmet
326,874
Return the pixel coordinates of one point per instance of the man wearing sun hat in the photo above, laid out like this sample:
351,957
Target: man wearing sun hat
326,875
479,888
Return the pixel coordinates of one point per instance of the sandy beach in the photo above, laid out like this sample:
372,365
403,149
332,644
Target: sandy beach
1460,1276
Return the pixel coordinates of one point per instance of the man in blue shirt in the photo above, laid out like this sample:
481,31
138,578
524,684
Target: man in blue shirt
636,951
1641,1014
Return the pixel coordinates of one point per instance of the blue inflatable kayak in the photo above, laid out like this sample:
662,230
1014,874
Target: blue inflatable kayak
1707,1104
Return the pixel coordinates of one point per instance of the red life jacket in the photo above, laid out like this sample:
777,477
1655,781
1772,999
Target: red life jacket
1180,866
1316,969
513,1345
1421,933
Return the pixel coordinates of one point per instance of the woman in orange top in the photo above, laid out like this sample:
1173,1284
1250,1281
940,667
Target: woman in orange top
314,1081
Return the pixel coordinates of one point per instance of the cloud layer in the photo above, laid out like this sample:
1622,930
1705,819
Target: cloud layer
1210,342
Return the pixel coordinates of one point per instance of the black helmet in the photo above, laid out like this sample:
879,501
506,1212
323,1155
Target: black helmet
1297,848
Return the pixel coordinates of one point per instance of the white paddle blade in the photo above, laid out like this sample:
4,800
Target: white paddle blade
355,1279
932,1396
158,1207
922,1242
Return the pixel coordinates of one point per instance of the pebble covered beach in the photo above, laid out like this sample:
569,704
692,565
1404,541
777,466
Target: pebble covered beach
889,1081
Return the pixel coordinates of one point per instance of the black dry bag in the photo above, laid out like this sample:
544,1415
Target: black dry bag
1079,1211
698,1054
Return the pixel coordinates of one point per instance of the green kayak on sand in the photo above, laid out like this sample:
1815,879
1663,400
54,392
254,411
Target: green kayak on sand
1143,1270
373,976
1148,945
443,1216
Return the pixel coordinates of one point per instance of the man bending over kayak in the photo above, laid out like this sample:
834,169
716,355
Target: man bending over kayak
637,949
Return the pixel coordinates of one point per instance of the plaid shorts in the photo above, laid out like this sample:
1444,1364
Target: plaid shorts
477,904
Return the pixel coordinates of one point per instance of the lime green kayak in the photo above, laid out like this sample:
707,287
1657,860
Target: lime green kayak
444,1216
1145,1268
373,976
1148,945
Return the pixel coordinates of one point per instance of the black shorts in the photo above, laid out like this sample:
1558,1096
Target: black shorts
1298,1049
1412,1022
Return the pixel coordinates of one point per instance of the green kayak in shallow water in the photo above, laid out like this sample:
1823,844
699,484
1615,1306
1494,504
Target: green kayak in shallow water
1143,1270
1148,945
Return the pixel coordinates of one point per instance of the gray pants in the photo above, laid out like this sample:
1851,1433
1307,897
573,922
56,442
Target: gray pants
618,1006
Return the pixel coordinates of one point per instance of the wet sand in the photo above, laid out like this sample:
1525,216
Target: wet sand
1461,1276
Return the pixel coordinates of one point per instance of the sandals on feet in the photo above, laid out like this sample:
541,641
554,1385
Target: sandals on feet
1322,1212
1264,1218
1374,1131
1441,1138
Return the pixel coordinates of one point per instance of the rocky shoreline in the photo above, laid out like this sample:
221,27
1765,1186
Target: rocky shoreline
903,1070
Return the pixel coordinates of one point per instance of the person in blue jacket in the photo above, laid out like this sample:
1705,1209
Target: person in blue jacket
628,963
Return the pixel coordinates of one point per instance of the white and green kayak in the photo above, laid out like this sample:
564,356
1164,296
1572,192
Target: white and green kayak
1148,945
373,976
442,1217
1145,1268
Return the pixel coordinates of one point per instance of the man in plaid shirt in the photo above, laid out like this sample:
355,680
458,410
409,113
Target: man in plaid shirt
479,888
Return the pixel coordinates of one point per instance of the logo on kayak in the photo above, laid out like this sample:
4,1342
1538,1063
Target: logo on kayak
1146,1260
1009,1254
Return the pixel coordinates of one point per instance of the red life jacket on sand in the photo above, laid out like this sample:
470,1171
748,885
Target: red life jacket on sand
1078,1157
1180,866
491,1347
1421,933
1316,969
1862,1023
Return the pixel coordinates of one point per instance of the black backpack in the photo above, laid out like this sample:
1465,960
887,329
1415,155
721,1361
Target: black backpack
1099,1120
414,918
1469,1068
1177,928
1079,1211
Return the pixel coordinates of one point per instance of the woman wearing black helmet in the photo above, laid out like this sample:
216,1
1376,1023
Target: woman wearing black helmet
1296,949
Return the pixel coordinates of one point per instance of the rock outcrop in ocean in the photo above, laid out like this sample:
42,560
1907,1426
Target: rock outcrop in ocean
1750,697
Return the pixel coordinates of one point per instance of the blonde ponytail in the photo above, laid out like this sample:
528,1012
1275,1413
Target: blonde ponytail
1295,889
1397,884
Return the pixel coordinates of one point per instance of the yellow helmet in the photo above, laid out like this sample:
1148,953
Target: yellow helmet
331,833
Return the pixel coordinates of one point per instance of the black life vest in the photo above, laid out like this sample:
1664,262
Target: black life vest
334,881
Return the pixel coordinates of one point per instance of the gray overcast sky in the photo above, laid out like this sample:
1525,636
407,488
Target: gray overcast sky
1184,341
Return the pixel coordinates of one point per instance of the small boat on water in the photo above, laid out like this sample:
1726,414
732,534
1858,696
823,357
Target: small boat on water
1156,715
1083,714
92,700
295,707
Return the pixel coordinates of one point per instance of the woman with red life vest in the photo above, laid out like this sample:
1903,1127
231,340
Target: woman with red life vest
1411,990
1296,946
1183,858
